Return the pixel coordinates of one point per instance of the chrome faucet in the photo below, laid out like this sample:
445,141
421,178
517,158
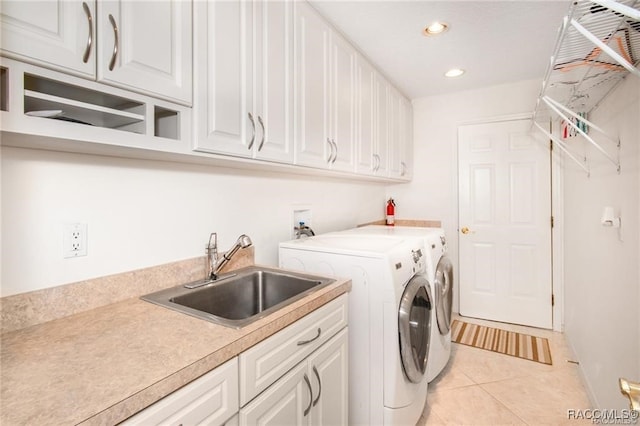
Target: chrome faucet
216,263
303,230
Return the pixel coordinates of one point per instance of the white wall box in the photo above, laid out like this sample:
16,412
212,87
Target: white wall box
244,82
141,46
44,103
211,399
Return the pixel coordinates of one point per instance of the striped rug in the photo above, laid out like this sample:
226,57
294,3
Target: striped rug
505,342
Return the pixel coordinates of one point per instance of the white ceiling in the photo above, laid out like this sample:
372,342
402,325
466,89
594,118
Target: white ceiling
496,42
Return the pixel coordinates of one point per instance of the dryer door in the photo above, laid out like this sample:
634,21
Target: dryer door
444,294
414,325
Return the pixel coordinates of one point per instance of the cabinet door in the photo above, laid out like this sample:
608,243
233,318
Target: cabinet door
382,125
406,129
342,107
396,144
146,46
273,108
329,373
211,399
59,35
284,403
365,123
223,88
312,37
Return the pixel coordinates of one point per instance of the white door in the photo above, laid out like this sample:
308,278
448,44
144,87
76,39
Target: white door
312,87
146,46
381,151
505,223
59,35
273,77
365,122
223,92
329,374
343,111
284,403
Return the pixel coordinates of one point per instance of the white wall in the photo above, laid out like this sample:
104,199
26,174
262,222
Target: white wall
602,280
144,213
433,193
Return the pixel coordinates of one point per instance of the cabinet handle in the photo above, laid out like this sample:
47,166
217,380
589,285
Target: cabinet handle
335,156
403,168
330,153
304,342
315,371
306,379
377,166
116,42
261,125
87,50
253,127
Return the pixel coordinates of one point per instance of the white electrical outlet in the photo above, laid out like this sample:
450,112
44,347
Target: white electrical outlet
74,240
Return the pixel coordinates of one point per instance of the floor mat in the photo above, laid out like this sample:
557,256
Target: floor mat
502,341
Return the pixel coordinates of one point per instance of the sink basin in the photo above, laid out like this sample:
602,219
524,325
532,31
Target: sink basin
240,298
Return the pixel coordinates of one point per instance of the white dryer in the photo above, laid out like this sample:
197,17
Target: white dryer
390,311
439,274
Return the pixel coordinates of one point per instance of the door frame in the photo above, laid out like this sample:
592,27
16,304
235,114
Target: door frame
557,211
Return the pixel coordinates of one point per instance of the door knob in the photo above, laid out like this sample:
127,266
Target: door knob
632,391
465,230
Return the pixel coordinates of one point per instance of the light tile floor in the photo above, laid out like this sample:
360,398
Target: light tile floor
479,387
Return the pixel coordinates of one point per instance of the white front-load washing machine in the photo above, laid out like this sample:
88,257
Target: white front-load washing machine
439,274
390,312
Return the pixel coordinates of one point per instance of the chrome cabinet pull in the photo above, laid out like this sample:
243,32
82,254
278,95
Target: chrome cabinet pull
261,125
377,162
331,152
253,127
304,342
116,42
87,50
403,168
306,379
335,145
315,371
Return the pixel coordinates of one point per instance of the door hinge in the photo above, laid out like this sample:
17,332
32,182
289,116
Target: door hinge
553,300
552,222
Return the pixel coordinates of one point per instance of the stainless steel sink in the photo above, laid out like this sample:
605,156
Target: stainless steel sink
240,298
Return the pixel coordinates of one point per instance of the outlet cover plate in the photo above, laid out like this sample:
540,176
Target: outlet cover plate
74,240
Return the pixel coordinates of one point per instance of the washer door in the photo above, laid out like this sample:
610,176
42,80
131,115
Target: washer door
444,294
414,325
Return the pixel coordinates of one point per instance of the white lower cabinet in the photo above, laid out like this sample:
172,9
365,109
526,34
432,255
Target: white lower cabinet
314,392
298,376
210,400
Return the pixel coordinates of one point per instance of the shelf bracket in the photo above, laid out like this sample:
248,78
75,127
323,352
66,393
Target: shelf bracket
564,149
551,105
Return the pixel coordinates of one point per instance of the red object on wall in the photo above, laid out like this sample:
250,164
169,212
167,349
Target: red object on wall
391,212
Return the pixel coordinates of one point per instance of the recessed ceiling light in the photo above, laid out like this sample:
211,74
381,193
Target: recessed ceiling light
435,28
454,72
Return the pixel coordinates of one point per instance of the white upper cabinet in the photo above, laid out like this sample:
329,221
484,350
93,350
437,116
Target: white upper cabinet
142,46
342,118
244,90
400,136
325,93
382,91
366,116
56,34
146,46
312,55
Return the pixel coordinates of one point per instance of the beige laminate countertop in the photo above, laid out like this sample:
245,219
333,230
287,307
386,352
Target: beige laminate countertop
103,365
